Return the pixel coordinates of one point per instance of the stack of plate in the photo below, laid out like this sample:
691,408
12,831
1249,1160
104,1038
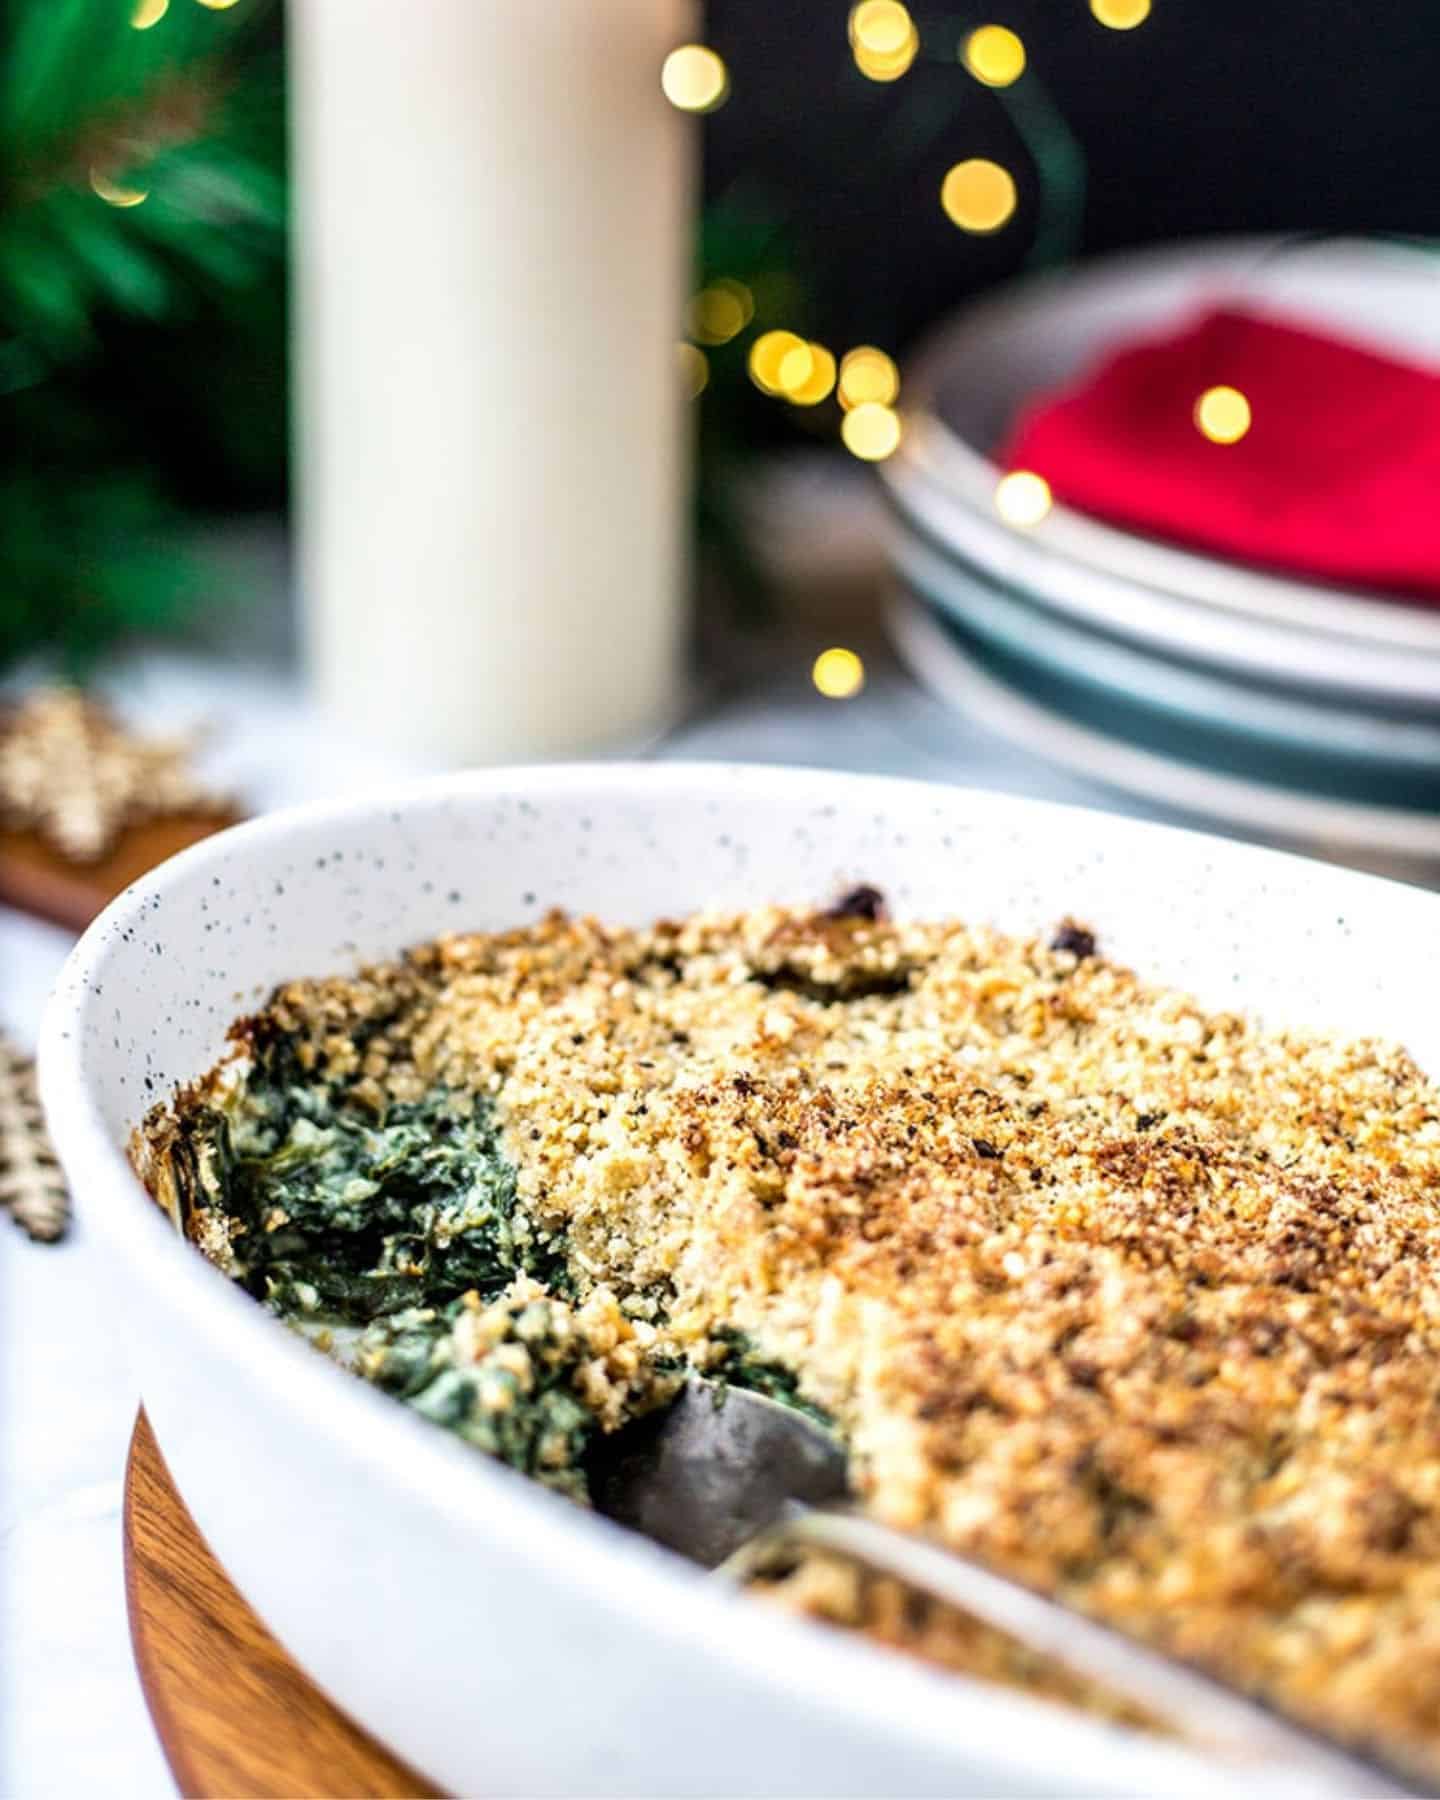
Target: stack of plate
1273,705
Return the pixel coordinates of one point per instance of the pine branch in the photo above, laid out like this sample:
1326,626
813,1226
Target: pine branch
89,558
32,1189
188,117
174,109
173,117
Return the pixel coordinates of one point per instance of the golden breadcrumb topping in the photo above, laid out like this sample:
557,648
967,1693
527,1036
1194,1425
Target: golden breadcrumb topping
1136,1301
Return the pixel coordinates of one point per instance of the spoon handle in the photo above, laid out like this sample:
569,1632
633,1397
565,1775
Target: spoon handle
1202,1708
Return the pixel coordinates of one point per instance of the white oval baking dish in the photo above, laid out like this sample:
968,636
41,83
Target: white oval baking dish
500,1639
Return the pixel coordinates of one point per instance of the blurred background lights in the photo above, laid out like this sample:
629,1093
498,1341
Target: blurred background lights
883,39
146,13
807,375
1022,497
217,5
995,55
1222,414
1121,15
694,78
880,26
694,368
839,674
892,65
867,374
115,193
871,431
720,311
795,368
767,354
978,195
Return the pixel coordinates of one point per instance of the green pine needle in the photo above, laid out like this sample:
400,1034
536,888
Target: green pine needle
188,113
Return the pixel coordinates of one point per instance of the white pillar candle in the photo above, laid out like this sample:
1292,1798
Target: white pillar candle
494,212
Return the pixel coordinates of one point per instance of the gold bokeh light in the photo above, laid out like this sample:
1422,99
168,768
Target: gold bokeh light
883,39
871,431
218,5
867,374
794,369
1121,15
694,78
995,55
146,13
888,65
807,375
1222,414
978,195
880,26
767,354
838,673
115,193
1022,497
720,312
694,368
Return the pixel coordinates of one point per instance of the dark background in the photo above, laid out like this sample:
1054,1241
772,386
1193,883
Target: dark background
1211,116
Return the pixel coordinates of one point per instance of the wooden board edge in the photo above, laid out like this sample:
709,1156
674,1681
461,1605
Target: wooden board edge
324,1756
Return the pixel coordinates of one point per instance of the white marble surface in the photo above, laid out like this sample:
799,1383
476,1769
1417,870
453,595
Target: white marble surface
72,1719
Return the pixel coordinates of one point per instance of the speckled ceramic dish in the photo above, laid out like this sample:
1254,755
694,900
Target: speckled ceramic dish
497,1637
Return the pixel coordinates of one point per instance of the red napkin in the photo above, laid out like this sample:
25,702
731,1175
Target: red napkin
1338,476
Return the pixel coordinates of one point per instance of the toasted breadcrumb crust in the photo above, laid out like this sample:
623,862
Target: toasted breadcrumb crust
1137,1302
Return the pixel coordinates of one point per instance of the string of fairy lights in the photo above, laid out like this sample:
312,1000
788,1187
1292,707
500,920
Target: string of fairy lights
978,195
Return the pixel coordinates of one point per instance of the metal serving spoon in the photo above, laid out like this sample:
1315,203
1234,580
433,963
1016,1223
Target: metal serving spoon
727,1477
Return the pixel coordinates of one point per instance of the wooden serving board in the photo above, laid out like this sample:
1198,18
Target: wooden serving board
237,1719
35,878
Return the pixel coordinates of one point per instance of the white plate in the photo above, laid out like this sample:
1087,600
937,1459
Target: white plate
1381,747
1386,839
500,1639
1253,643
995,355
